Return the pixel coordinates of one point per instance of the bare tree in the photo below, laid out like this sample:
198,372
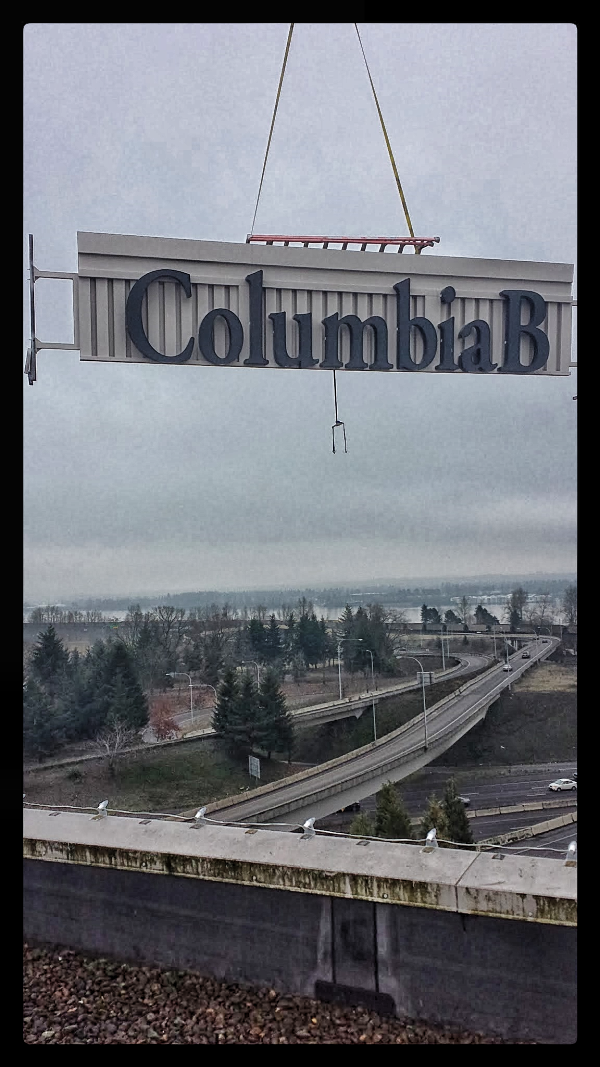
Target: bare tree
162,721
540,612
171,626
113,741
464,612
569,604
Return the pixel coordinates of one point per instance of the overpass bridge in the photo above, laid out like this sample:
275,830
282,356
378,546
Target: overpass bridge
322,790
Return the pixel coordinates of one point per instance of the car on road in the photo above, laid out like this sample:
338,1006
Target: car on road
466,801
526,655
507,667
349,807
562,783
574,776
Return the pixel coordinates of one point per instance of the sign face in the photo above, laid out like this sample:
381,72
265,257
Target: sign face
203,303
254,766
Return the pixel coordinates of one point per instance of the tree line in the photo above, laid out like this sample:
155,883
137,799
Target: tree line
447,816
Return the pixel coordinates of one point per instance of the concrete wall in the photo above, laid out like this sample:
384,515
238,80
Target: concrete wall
513,978
480,941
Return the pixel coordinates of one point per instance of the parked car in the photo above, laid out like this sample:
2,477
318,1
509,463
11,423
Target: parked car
507,667
562,783
526,655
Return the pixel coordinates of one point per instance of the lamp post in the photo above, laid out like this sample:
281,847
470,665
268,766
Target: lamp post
255,664
443,656
494,637
339,659
182,674
423,688
359,641
207,685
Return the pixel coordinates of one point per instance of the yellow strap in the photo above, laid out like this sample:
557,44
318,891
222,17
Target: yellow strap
287,48
387,140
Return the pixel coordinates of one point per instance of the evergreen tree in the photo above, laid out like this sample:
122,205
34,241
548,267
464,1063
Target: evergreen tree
244,729
290,634
42,729
213,659
434,818
127,699
362,826
276,732
310,640
392,819
94,698
226,706
257,636
345,631
273,646
49,661
458,828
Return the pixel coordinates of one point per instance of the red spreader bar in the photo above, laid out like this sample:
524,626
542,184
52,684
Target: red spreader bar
271,239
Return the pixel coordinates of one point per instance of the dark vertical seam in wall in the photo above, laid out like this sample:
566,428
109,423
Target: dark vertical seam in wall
333,974
93,322
375,956
111,317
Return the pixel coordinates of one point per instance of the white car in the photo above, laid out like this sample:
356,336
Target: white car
507,667
466,801
562,783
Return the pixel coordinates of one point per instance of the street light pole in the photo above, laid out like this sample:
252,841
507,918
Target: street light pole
207,685
443,656
182,674
494,636
423,688
359,641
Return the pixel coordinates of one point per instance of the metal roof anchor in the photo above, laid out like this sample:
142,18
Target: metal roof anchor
338,421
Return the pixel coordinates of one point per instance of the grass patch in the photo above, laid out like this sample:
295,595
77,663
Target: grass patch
318,744
521,727
163,780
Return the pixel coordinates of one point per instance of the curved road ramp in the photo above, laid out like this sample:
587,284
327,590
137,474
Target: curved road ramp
480,941
322,790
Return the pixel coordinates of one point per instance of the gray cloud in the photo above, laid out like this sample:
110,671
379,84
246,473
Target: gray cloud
148,477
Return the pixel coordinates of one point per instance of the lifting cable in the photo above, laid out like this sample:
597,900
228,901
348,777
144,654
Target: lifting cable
337,422
387,141
287,49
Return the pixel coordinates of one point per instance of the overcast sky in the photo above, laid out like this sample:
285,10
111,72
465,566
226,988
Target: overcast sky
154,479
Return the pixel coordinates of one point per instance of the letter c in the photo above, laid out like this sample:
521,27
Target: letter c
133,315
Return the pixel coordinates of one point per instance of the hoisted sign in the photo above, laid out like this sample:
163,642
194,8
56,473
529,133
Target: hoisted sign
201,303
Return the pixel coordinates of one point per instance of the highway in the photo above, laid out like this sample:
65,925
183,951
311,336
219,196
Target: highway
323,790
335,709
485,790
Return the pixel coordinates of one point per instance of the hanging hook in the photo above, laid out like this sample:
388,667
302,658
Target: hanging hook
337,422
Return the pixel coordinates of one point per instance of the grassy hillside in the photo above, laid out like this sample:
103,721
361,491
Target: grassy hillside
535,723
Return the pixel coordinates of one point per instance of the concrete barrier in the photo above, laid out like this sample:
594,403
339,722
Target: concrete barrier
542,805
531,831
449,936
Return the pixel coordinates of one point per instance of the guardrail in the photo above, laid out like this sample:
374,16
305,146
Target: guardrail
405,756
529,831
